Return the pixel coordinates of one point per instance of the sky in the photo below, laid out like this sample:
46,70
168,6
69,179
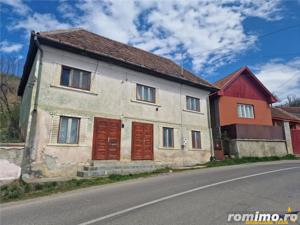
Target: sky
212,38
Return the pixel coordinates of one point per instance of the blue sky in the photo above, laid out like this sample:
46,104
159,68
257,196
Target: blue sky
212,37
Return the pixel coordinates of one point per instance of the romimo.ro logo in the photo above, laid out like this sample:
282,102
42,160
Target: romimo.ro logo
264,218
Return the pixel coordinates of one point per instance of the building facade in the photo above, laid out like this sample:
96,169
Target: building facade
82,104
242,118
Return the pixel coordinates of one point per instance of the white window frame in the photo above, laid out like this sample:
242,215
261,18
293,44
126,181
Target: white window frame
167,144
141,96
199,144
68,138
81,72
192,104
245,111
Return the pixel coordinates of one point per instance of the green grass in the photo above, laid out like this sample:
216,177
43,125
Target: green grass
19,190
242,160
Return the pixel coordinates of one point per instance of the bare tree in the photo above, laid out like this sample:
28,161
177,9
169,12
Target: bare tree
9,101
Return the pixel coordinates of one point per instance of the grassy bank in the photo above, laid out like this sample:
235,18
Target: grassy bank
243,160
19,190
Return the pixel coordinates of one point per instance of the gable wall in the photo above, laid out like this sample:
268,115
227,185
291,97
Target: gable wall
245,87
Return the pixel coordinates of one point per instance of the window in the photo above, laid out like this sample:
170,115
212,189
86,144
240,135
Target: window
68,130
196,139
145,93
75,78
192,103
168,137
245,111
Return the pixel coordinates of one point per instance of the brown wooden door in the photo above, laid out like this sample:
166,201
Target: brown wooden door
142,141
107,139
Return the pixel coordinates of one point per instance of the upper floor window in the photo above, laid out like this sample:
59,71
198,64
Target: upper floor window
192,103
68,130
75,78
196,139
168,137
245,111
145,93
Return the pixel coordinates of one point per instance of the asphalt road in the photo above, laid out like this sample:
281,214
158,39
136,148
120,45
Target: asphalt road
203,196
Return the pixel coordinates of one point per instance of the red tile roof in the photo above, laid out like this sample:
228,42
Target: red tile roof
280,114
221,83
89,41
293,110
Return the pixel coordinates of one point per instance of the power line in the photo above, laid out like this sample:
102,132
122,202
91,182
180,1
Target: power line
260,36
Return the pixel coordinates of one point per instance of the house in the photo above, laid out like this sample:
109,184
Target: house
241,114
292,110
282,118
91,101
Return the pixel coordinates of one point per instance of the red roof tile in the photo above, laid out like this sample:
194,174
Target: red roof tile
92,42
279,113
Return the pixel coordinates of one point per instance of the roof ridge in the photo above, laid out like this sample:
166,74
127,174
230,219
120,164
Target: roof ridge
58,31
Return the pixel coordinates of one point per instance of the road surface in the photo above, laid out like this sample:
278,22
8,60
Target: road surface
203,196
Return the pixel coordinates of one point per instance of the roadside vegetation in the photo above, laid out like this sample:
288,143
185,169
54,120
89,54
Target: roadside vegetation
236,161
20,190
9,101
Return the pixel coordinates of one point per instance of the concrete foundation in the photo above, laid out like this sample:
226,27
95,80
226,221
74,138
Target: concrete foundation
257,148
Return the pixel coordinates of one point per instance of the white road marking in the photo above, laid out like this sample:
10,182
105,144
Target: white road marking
180,194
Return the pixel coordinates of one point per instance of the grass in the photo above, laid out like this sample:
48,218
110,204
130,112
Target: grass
242,160
19,190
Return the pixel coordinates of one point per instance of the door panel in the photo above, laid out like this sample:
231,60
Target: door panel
142,141
107,139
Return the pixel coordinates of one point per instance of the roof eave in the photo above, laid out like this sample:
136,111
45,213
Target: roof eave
28,64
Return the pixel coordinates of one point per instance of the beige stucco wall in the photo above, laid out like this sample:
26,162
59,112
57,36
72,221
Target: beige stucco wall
112,95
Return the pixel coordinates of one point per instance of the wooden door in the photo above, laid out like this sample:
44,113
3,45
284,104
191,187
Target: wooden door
142,141
107,139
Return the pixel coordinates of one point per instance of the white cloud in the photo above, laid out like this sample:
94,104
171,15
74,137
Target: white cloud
17,5
39,22
280,77
209,33
8,47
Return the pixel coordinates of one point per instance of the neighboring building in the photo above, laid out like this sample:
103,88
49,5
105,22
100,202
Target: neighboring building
242,118
89,100
291,124
293,110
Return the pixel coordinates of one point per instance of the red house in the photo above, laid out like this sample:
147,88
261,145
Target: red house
241,110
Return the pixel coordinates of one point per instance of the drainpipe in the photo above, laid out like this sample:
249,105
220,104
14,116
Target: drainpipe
212,153
33,125
36,41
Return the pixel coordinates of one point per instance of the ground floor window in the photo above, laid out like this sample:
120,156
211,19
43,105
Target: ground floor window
168,137
196,139
68,130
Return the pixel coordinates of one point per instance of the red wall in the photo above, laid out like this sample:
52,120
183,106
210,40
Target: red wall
244,90
229,115
245,87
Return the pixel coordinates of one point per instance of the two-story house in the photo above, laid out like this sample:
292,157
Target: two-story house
89,100
242,117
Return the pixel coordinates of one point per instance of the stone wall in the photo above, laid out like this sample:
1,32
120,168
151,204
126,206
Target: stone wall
11,157
12,152
257,148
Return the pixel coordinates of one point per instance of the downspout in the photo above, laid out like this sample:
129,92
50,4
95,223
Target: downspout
32,151
210,130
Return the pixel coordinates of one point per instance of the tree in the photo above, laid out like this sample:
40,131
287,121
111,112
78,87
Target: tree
9,101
